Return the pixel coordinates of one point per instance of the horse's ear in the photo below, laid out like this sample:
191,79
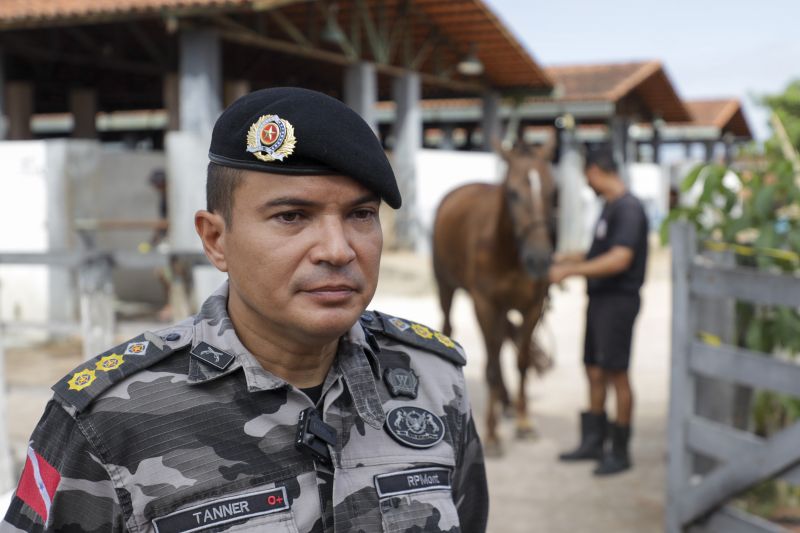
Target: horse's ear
547,150
500,148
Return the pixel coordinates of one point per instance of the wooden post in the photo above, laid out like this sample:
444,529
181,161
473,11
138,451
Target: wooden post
97,306
682,390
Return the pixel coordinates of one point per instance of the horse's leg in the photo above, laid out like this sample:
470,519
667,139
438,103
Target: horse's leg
446,293
524,347
512,334
493,334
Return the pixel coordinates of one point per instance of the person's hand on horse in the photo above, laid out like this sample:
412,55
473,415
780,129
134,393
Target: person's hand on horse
559,272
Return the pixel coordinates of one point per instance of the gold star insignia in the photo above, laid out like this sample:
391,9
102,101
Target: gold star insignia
81,380
109,362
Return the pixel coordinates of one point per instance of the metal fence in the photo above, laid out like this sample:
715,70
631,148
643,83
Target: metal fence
698,502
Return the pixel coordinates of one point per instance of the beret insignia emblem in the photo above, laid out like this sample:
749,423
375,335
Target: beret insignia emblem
271,138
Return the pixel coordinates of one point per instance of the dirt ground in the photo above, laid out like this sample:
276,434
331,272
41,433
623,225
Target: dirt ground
529,489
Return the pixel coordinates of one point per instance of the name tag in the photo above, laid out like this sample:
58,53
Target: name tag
223,511
409,481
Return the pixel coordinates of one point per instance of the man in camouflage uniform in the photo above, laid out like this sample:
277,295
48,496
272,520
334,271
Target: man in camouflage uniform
282,405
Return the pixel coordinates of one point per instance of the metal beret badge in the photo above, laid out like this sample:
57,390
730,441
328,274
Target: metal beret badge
271,138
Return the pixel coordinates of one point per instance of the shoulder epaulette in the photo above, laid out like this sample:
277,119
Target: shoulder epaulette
91,378
417,335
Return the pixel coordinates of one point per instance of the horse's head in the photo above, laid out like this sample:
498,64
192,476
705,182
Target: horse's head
530,191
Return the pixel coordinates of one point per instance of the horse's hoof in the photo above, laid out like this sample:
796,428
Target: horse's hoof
493,450
527,433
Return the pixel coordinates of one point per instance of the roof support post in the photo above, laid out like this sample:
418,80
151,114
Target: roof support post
19,103
83,106
730,148
708,151
3,106
408,141
171,96
490,120
618,129
200,80
656,144
361,91
448,143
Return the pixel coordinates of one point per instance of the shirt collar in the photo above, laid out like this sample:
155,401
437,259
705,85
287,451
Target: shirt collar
356,359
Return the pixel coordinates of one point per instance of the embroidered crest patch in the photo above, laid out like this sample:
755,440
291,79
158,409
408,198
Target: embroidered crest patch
271,138
212,356
401,382
414,426
136,348
399,324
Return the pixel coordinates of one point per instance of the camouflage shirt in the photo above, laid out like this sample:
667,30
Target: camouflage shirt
183,430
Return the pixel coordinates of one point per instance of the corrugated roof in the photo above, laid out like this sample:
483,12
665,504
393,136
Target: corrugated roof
613,82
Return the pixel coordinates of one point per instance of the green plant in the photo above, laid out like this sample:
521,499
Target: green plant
753,211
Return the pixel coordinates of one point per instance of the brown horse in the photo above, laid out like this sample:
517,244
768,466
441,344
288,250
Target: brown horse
494,241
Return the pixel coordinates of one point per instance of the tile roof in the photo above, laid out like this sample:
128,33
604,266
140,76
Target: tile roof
724,113
14,12
613,82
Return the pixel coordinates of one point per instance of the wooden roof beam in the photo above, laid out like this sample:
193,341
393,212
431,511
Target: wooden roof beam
239,33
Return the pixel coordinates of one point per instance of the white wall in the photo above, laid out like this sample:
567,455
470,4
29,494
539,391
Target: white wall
44,187
650,183
23,217
441,171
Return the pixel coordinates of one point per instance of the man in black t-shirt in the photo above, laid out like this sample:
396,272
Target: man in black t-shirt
614,267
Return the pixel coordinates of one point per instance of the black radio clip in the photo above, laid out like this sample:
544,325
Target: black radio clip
314,436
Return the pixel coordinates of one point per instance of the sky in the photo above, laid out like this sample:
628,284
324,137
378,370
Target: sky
710,48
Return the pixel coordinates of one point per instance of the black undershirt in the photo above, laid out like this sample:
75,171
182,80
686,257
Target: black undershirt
314,393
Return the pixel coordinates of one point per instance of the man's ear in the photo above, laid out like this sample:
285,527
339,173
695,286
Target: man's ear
211,229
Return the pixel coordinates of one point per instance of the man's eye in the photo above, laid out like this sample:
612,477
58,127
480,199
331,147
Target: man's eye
363,214
289,216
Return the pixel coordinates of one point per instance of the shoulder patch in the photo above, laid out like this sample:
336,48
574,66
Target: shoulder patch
91,378
414,334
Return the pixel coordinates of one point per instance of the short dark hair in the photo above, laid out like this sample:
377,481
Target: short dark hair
603,158
221,182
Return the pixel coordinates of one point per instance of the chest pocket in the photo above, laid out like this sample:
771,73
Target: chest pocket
264,510
419,499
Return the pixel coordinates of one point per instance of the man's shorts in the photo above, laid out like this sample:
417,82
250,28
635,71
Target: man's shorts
609,329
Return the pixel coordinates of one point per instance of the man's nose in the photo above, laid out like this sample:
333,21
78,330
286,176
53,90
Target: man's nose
333,246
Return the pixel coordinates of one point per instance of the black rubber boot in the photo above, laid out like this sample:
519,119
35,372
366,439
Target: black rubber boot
617,459
593,438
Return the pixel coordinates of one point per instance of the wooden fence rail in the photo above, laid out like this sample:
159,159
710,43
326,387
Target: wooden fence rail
700,503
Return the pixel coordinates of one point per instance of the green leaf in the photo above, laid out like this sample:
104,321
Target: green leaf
691,178
754,338
763,203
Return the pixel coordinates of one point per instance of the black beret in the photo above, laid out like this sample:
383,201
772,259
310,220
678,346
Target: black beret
288,130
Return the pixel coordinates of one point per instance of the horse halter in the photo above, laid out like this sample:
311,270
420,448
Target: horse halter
538,220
